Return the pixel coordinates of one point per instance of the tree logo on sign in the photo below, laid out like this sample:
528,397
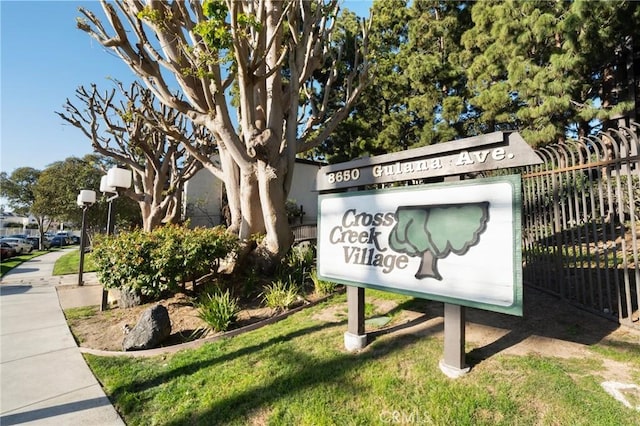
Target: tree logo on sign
432,232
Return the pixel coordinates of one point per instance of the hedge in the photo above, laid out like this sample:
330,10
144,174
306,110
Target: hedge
158,262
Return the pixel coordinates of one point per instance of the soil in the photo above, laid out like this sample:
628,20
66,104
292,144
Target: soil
105,330
549,327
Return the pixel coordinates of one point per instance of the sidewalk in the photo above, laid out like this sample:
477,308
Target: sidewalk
44,379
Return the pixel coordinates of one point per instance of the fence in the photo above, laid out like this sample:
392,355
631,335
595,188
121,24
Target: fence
6,232
581,221
304,232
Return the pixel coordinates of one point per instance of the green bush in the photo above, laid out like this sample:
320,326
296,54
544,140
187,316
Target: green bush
280,294
218,310
124,262
156,263
185,254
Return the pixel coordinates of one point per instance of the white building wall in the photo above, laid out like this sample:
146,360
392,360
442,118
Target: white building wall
203,199
303,190
203,195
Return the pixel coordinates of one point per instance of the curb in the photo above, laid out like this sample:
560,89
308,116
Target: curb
198,343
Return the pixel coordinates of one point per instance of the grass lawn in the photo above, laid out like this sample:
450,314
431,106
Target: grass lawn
67,264
296,372
70,263
8,264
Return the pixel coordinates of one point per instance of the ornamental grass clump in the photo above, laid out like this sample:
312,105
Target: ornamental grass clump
219,310
296,265
322,287
280,295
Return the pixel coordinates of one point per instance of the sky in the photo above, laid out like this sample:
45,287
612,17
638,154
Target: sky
44,58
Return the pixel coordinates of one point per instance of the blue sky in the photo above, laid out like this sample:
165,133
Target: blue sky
44,59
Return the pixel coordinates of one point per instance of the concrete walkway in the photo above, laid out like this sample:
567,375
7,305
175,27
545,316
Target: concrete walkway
44,379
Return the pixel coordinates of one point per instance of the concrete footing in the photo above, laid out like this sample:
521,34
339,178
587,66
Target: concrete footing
451,371
354,342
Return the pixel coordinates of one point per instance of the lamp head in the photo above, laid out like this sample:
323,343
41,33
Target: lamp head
86,197
104,187
119,178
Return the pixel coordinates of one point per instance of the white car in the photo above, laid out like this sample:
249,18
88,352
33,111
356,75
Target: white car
20,244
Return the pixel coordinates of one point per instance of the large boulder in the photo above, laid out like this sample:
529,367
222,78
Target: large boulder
153,327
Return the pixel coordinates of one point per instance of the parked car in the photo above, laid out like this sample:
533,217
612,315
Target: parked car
66,235
20,244
35,243
6,251
23,236
59,241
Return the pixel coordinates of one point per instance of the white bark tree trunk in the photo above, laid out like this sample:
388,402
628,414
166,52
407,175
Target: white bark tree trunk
276,48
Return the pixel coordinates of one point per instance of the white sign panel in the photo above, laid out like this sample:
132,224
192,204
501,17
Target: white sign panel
454,242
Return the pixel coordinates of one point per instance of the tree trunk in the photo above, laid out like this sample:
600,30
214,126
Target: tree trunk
252,220
428,267
273,197
173,212
232,187
151,216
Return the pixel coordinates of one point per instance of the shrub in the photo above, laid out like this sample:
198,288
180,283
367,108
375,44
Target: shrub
219,310
297,264
250,279
320,286
124,262
185,254
280,294
155,263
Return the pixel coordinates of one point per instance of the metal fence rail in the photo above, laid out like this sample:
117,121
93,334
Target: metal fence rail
581,221
304,232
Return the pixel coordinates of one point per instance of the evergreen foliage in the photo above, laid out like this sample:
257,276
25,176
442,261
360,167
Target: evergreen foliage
156,263
448,69
18,188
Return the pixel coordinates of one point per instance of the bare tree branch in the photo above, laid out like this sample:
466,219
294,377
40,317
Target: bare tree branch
155,141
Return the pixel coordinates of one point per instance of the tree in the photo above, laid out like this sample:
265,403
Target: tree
418,96
20,190
161,147
374,116
437,106
17,188
269,59
446,70
435,231
58,187
543,67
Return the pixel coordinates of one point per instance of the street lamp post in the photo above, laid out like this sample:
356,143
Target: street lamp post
85,199
112,183
106,189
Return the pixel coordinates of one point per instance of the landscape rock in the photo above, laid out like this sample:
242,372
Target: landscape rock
129,298
153,327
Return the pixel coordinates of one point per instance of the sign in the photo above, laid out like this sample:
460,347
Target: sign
487,152
457,242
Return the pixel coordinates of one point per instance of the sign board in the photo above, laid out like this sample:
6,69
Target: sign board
456,242
492,151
